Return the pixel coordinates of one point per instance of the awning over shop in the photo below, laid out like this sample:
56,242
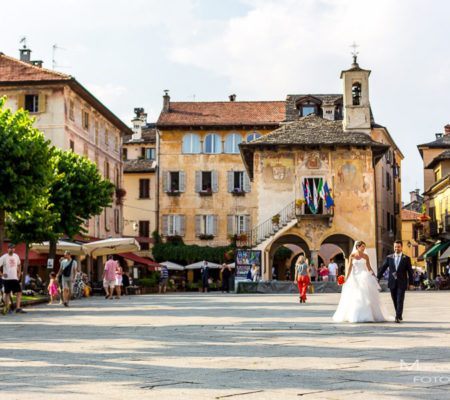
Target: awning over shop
435,249
139,260
171,266
61,246
445,255
199,265
111,246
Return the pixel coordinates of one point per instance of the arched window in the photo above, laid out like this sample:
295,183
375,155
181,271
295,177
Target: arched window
232,143
356,93
191,144
253,136
213,144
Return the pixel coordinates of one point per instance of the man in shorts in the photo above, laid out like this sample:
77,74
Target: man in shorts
163,280
67,271
109,276
11,271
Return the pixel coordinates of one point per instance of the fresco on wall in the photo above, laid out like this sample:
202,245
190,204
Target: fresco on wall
312,160
278,171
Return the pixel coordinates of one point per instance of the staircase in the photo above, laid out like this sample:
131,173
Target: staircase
268,229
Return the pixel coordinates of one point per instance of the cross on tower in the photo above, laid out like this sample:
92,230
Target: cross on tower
354,53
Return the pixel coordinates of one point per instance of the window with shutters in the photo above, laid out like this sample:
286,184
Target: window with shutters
148,153
174,225
175,181
207,225
72,145
117,177
238,180
71,110
85,119
191,144
144,188
388,181
232,143
117,221
206,181
125,154
144,228
96,132
32,103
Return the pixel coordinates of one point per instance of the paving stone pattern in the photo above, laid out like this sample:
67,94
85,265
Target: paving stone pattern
218,346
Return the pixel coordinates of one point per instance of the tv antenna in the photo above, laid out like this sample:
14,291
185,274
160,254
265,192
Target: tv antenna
354,53
24,41
54,64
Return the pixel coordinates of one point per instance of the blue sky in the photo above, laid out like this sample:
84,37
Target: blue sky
128,52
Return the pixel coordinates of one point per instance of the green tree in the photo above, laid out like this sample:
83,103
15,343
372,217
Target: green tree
25,163
78,192
32,226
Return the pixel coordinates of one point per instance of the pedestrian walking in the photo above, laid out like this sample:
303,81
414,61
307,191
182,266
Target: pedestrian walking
118,283
226,274
313,272
11,272
52,287
163,280
109,276
204,272
302,277
67,272
332,271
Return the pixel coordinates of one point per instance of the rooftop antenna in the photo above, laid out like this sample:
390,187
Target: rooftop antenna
354,53
54,64
24,41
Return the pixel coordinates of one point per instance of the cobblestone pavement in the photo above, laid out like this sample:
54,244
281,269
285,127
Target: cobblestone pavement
218,346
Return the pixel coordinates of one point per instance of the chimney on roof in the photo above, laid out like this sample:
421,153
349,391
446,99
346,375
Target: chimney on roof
414,195
439,135
447,129
166,101
37,63
232,97
138,121
25,54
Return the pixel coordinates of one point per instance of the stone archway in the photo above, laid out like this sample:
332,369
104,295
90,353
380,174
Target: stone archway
344,243
292,239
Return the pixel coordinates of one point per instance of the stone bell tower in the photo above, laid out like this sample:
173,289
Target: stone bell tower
356,98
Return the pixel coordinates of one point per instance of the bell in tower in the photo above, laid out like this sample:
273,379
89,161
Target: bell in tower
356,97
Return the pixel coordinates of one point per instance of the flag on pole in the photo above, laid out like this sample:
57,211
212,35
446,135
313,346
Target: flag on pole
316,198
328,199
309,200
302,198
321,190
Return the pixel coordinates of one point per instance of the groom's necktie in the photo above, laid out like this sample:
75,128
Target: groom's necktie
397,261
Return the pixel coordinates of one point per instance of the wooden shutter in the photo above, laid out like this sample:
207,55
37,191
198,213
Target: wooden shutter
41,103
230,224
166,181
246,182
83,118
182,219
182,179
198,181
215,181
215,225
230,183
20,101
165,225
247,224
198,225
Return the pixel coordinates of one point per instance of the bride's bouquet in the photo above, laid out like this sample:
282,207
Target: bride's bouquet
340,279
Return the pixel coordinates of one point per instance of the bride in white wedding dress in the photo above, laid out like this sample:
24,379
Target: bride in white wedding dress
360,299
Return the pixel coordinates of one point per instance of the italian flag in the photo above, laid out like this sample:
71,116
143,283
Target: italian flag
321,189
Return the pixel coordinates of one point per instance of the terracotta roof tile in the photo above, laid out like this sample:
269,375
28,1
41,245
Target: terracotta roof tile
229,113
139,166
13,70
408,215
445,155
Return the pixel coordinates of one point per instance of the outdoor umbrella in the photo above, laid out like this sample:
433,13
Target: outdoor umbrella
111,246
199,264
61,246
171,266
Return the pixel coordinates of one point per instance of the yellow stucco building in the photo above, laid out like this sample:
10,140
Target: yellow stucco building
410,238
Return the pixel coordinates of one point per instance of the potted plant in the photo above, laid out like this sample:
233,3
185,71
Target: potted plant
204,236
276,219
206,192
237,192
173,192
120,194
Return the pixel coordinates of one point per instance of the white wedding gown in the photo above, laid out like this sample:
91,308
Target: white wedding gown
360,299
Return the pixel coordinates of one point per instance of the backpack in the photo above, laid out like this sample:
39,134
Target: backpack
68,269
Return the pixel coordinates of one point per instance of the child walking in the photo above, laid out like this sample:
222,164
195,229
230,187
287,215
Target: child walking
52,287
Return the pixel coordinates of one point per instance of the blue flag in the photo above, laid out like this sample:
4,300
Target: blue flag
328,199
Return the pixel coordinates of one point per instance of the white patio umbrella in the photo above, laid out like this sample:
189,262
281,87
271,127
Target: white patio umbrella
199,264
111,246
61,246
171,266
232,265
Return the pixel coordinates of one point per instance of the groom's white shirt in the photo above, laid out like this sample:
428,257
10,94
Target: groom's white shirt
397,258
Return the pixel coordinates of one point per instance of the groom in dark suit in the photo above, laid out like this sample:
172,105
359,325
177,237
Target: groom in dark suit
399,265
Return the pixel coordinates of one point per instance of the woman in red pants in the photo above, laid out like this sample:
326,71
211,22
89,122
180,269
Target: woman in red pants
302,277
